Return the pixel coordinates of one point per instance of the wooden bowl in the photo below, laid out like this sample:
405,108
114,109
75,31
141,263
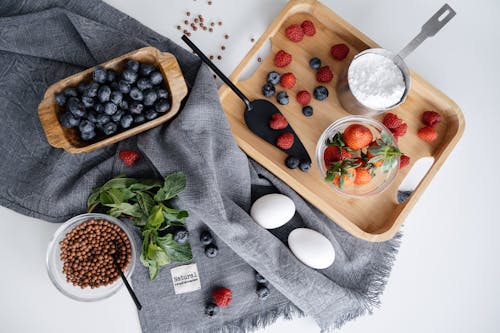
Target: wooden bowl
68,138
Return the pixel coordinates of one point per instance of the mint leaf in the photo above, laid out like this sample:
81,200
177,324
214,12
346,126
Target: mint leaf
145,202
124,208
93,200
118,182
155,217
174,184
172,214
177,252
145,185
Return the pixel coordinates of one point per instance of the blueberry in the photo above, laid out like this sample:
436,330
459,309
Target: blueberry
116,97
268,90
307,111
320,93
91,90
282,98
124,87
111,76
110,108
133,65
126,121
211,309
206,238
99,75
211,250
86,136
82,86
156,78
162,106
99,108
292,162
92,116
260,279
144,83
315,63
150,97
273,77
75,107
162,93
304,166
70,92
117,116
124,105
146,69
104,93
138,118
88,102
181,235
109,128
136,94
86,126
60,99
68,120
262,291
136,108
129,75
150,114
114,86
103,119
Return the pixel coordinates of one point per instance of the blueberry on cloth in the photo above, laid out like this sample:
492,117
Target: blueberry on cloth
260,279
211,309
206,238
211,250
262,291
181,235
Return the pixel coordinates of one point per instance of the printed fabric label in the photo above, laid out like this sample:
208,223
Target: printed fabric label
185,279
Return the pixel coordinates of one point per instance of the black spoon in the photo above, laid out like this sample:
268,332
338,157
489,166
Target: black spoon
124,279
258,113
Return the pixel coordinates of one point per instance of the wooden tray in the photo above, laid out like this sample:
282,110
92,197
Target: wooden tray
68,139
375,218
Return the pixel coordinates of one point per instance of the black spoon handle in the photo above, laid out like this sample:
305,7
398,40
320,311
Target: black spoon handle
216,70
129,288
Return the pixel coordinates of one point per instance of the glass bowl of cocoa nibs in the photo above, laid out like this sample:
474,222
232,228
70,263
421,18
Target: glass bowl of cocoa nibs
81,255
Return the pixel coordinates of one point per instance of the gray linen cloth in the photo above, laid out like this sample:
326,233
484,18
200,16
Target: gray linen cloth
44,41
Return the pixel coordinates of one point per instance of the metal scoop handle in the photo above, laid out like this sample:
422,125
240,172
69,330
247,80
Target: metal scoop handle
429,29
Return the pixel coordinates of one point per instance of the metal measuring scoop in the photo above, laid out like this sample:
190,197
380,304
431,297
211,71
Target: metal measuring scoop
257,113
429,29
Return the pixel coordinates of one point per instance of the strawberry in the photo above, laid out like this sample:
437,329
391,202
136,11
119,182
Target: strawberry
285,140
342,173
339,51
431,118
303,97
404,161
427,133
288,80
308,28
357,136
294,33
278,122
324,74
363,176
391,121
282,59
335,154
129,157
222,297
400,130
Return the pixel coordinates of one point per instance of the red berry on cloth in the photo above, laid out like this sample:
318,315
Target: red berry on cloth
431,118
294,33
288,80
282,59
308,28
222,297
324,74
404,161
391,121
303,97
285,140
278,122
339,51
129,157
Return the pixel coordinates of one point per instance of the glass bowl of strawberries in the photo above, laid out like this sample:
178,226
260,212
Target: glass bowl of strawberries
358,156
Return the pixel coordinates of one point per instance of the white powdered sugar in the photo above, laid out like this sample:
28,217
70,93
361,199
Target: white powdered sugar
376,81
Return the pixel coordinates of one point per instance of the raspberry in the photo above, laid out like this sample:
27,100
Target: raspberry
404,161
129,157
285,140
431,118
427,133
278,122
294,33
288,80
391,121
308,28
324,74
339,51
303,97
222,296
400,130
282,59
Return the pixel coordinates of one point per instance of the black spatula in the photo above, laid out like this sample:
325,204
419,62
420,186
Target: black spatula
258,113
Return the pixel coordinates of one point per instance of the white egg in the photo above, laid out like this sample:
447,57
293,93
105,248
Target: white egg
311,248
272,210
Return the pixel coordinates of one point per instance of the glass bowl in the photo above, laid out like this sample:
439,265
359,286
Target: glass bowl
55,265
380,180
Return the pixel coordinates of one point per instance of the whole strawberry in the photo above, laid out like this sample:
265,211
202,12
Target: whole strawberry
324,74
431,118
427,133
129,157
282,59
278,122
339,51
222,297
294,33
303,97
404,161
288,80
285,140
308,28
391,121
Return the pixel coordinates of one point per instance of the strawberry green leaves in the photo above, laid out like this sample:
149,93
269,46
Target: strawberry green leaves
146,203
384,151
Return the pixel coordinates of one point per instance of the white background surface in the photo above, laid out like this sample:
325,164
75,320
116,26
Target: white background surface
447,275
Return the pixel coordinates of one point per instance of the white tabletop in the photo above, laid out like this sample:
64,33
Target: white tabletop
447,274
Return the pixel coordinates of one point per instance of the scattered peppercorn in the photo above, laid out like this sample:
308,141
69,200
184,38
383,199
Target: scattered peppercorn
211,57
186,22
252,39
226,36
211,30
188,13
210,3
179,27
222,47
219,57
259,59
